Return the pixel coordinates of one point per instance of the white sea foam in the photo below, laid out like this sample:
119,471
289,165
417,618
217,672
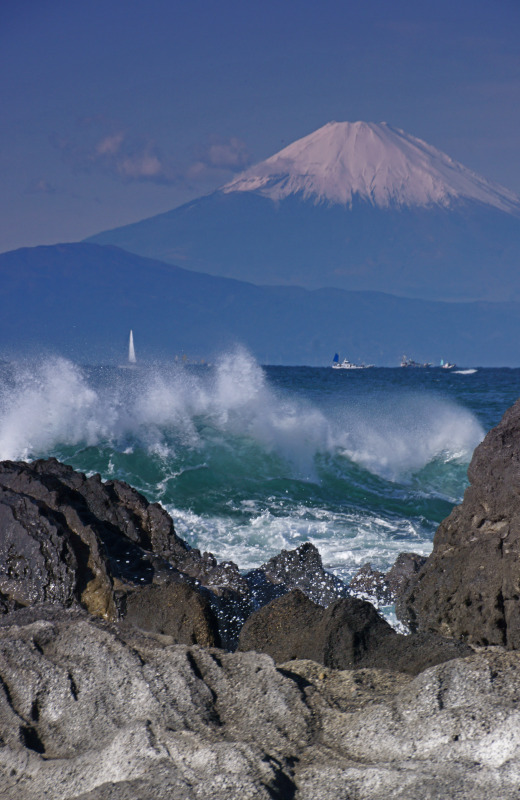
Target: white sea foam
396,437
46,403
161,410
345,541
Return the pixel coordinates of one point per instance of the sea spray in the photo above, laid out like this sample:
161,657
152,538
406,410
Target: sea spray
251,460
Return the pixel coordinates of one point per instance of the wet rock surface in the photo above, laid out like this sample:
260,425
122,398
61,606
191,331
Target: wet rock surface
74,540
301,568
470,585
383,589
99,711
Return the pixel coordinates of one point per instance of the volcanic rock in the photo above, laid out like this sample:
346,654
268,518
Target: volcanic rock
383,589
302,569
402,572
68,539
469,587
371,584
348,633
293,627
100,712
175,609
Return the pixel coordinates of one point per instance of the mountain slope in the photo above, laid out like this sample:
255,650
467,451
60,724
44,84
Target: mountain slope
81,300
355,206
384,166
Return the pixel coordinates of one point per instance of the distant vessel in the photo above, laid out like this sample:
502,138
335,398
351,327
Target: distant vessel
346,364
132,360
131,350
409,362
447,364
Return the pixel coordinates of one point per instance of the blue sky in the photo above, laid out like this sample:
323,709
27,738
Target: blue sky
117,110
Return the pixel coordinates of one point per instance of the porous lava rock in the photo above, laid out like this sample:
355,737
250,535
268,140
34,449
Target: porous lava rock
402,572
371,584
469,587
94,711
70,539
293,627
174,609
348,633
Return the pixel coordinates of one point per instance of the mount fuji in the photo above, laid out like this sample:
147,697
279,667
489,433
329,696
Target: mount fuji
355,206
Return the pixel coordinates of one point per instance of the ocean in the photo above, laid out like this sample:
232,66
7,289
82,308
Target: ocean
252,459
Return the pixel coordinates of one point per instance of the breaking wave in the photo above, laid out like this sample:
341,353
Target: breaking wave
43,406
248,466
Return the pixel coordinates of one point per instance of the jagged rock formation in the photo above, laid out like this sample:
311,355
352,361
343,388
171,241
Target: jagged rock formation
72,540
346,634
100,701
470,585
101,713
383,589
301,568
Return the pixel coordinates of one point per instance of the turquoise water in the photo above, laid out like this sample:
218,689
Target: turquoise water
249,459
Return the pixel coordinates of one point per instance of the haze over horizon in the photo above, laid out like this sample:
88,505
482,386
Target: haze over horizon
114,112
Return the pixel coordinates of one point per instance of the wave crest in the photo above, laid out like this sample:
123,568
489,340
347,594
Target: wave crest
166,409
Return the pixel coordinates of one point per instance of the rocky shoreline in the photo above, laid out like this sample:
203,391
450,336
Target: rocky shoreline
133,666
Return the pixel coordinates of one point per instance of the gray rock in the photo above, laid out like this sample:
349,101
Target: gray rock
90,711
99,710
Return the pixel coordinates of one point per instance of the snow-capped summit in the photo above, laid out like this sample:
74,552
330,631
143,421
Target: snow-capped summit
357,205
373,162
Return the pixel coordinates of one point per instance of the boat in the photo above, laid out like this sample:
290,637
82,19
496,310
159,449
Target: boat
409,362
131,350
447,364
346,364
132,360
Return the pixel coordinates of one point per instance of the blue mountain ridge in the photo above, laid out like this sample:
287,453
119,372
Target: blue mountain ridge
80,300
467,251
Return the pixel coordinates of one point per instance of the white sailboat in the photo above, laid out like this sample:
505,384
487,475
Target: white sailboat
132,360
131,350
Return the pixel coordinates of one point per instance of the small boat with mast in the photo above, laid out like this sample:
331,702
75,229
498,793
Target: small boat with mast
132,360
131,349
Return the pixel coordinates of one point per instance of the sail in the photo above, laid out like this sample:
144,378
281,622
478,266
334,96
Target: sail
335,359
131,351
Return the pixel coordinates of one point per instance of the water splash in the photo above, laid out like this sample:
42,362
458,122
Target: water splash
164,410
247,468
395,437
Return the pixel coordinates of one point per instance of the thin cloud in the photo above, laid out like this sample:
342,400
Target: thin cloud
99,145
114,152
219,159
